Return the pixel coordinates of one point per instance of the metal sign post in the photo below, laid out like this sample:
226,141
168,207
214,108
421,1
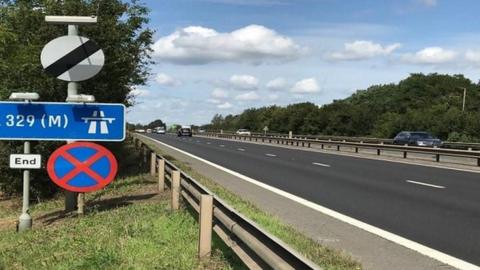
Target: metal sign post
67,64
25,220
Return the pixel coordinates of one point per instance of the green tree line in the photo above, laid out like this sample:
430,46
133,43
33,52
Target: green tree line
430,102
122,34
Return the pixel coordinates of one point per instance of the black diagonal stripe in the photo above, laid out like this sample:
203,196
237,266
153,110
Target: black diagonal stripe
72,58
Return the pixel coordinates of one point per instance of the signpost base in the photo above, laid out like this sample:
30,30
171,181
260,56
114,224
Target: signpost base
70,201
24,222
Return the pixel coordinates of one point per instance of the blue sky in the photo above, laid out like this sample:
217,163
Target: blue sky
223,56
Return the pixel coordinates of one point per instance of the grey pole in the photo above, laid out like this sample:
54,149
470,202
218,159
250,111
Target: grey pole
464,96
71,197
25,220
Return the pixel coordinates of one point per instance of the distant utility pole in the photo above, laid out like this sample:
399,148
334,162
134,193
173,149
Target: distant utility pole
464,95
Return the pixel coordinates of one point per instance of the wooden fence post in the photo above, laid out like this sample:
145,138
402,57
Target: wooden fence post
175,190
205,221
161,175
153,163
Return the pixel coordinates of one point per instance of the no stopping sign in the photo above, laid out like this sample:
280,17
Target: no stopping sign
82,167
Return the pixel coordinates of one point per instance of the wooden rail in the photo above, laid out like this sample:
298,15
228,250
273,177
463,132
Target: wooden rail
255,247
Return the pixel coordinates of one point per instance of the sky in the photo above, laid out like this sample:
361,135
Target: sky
225,56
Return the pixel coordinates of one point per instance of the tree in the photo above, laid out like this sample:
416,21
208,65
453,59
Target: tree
122,34
156,123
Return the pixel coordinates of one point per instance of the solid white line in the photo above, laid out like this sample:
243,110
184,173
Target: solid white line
241,149
270,155
320,164
435,254
424,184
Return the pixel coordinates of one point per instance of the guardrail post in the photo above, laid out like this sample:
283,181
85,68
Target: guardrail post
478,161
161,175
404,154
338,147
437,157
356,149
323,146
378,152
205,221
144,151
153,164
175,190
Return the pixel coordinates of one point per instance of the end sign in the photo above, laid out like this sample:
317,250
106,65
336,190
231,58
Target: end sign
25,161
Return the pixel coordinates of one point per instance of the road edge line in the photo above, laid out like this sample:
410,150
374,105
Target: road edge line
422,249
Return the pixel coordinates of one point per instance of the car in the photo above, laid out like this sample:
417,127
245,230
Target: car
416,138
160,130
201,130
140,130
149,130
243,131
184,131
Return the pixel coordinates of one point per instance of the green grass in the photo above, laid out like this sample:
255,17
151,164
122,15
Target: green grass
127,226
321,255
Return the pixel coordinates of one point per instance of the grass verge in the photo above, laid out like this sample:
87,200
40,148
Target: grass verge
128,225
325,257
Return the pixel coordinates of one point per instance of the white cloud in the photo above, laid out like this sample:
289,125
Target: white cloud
244,82
137,92
253,44
166,80
273,97
219,93
430,55
472,56
225,105
214,101
363,49
249,96
306,86
428,3
277,84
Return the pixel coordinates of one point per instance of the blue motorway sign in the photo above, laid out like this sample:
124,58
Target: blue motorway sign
62,121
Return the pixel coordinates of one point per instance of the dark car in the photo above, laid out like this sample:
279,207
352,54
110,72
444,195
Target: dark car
416,138
184,132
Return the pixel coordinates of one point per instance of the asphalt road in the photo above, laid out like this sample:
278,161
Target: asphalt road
439,208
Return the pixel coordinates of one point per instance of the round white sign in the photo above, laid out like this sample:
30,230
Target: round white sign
72,58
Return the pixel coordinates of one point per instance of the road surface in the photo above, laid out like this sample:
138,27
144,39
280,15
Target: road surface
439,208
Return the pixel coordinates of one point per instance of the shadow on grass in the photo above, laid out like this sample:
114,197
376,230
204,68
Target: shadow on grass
96,206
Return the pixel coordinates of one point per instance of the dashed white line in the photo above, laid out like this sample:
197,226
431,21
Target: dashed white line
241,149
209,143
198,141
438,255
320,164
221,145
270,155
424,184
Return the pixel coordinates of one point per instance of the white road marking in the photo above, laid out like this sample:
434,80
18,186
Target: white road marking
424,184
221,145
270,155
241,149
430,252
320,164
209,143
198,141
